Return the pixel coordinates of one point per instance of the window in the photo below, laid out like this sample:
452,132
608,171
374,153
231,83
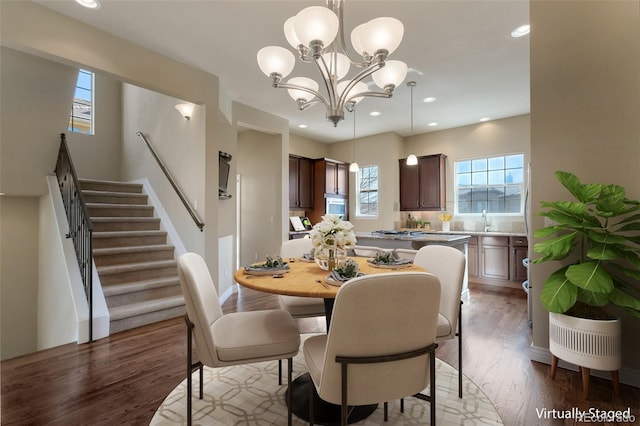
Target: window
367,191
81,118
494,184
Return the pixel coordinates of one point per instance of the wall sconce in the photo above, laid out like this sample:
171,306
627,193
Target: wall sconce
186,110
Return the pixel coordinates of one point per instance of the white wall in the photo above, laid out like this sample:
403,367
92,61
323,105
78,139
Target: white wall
179,144
18,275
36,96
585,118
259,168
97,156
305,147
382,150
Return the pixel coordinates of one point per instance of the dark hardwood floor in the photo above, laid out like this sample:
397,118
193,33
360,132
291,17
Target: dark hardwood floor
124,378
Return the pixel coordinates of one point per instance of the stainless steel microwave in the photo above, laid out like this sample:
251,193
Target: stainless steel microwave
335,205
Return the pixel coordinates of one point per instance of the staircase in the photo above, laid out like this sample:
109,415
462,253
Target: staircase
137,268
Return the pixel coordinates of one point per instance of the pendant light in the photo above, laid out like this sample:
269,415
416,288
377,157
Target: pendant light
353,167
412,160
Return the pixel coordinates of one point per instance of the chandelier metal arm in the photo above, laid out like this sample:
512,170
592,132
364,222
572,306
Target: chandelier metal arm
359,77
328,81
305,89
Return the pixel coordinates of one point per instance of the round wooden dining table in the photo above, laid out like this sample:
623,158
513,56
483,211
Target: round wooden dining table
305,278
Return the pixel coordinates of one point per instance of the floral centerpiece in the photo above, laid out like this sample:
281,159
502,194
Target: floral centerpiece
446,220
330,237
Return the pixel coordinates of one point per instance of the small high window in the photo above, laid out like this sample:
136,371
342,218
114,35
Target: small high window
81,118
494,184
367,191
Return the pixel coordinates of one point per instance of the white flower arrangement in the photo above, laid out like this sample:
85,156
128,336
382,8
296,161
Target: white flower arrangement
332,232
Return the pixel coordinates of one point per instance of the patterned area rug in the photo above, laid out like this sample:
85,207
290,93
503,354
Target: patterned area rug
249,395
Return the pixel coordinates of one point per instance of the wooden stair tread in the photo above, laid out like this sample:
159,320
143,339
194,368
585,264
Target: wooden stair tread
131,249
118,234
141,308
119,206
124,219
139,266
134,286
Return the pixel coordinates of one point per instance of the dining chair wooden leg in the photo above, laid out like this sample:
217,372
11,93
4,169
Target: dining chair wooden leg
402,405
460,351
279,372
386,411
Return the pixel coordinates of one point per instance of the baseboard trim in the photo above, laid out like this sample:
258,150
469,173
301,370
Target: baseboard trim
228,293
628,376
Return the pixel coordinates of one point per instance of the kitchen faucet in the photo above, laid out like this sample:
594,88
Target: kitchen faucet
484,217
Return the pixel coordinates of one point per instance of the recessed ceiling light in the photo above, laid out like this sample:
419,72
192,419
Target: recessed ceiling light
432,124
375,113
91,4
302,126
429,99
522,30
483,119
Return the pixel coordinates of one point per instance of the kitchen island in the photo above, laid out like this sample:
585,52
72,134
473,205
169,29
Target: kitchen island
411,239
415,240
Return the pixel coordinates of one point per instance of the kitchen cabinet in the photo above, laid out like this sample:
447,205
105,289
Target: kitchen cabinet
423,187
330,180
494,257
472,257
300,182
518,247
336,176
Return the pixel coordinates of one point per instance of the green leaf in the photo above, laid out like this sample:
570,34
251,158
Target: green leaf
584,193
606,237
545,232
634,226
558,294
629,303
591,298
611,201
633,218
556,248
603,252
590,276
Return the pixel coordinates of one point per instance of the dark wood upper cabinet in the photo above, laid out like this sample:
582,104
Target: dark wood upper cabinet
336,177
300,182
423,187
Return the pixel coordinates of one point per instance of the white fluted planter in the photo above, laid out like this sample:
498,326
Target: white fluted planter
593,344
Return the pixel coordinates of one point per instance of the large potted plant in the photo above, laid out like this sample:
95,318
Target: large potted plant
597,236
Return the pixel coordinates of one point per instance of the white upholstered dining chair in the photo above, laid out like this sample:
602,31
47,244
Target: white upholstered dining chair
448,264
231,339
373,351
297,306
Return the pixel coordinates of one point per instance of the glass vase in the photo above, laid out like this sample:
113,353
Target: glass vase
330,257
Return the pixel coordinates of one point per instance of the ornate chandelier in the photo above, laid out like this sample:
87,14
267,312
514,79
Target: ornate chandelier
317,34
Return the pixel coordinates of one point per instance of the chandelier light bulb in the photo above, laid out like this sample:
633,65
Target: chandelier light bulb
382,34
316,23
341,68
290,33
356,42
276,59
393,73
303,82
